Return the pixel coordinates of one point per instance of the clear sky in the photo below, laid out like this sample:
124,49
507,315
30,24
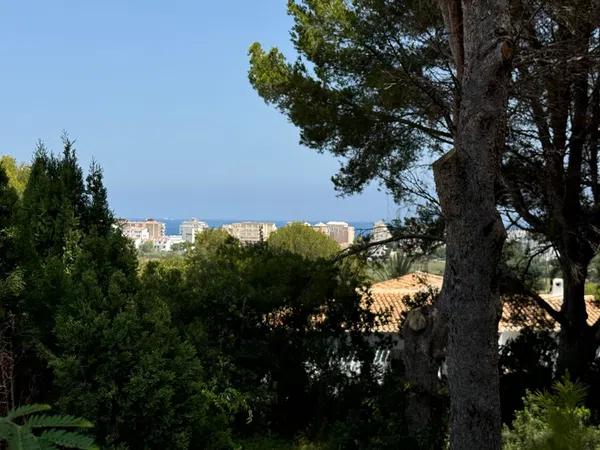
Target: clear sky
157,92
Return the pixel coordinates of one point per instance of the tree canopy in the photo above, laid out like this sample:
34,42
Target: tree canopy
372,84
18,174
303,240
192,352
383,85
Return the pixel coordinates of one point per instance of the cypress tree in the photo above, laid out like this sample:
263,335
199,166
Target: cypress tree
98,216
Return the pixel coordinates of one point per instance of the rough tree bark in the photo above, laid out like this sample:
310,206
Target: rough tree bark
424,334
465,181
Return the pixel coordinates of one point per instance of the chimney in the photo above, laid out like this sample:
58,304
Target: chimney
557,287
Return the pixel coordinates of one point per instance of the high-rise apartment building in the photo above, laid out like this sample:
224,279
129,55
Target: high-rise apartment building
340,232
156,229
321,227
137,235
380,232
190,228
250,232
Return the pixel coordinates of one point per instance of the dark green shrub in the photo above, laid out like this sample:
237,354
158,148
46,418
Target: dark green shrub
555,420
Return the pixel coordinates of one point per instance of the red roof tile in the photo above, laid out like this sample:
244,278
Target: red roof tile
388,297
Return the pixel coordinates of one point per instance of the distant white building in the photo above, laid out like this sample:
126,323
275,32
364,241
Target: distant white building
155,229
165,244
250,232
380,232
322,227
137,235
340,232
190,228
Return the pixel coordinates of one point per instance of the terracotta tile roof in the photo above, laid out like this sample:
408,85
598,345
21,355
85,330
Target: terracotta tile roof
388,297
517,313
414,282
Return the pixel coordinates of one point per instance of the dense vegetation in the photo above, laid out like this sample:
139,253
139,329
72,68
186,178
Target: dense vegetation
200,351
505,94
221,346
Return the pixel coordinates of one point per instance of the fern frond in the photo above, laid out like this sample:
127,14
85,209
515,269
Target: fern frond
57,421
22,439
47,446
67,439
26,410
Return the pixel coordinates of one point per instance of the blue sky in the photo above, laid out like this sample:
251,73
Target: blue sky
157,92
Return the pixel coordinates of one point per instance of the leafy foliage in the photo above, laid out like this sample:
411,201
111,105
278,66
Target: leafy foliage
123,364
271,324
11,282
525,262
146,248
18,174
88,336
303,240
191,352
25,436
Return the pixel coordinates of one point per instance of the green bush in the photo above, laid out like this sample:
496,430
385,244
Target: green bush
274,326
554,420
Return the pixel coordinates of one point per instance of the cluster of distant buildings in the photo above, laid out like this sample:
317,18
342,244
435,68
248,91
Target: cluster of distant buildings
154,231
150,230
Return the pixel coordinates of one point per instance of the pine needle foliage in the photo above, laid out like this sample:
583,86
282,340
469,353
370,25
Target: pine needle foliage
554,420
24,428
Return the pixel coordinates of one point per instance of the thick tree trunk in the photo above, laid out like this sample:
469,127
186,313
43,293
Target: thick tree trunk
424,334
465,180
470,299
577,343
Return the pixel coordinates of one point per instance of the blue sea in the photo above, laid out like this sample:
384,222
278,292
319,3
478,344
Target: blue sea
172,225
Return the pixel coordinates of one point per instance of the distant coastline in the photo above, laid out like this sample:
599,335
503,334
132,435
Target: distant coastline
172,225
